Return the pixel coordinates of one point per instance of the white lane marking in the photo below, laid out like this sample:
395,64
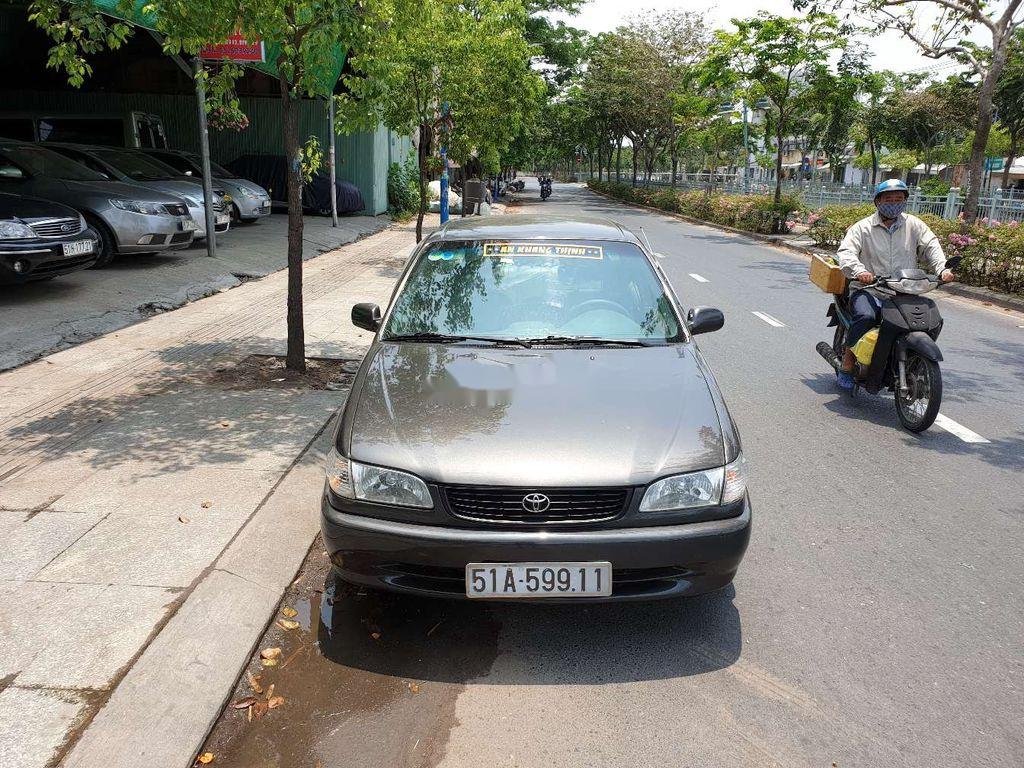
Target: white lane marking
959,430
769,319
698,278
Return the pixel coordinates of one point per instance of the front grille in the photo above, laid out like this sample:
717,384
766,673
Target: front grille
181,237
176,209
56,227
218,204
566,505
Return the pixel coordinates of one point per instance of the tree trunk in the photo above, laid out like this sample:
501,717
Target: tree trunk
778,162
634,163
675,167
618,161
874,161
422,153
981,132
1009,161
295,359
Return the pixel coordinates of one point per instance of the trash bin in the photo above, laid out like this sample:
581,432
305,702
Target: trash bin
472,195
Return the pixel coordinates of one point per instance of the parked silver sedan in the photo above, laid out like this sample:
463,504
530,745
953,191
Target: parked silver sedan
249,201
129,219
119,164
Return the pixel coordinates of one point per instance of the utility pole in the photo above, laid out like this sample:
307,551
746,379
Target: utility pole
746,152
331,161
204,156
444,163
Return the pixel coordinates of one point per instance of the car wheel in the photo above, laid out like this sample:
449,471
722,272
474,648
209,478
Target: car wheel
108,246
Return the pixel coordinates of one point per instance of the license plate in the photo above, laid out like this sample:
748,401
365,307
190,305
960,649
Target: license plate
77,248
187,225
221,218
532,580
265,206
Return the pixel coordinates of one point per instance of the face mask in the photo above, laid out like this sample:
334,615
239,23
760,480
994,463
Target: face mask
891,210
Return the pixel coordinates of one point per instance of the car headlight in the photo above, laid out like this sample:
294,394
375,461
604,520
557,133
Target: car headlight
721,485
15,230
140,206
246,192
352,480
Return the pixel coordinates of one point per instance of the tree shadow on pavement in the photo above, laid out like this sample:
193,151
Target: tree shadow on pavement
457,641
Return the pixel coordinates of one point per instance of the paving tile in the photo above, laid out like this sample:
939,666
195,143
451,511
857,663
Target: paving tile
147,550
34,725
33,543
76,635
43,482
139,489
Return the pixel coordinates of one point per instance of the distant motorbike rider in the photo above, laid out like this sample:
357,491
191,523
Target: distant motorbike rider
881,245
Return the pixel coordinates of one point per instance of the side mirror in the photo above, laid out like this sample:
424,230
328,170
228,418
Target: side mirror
953,262
366,316
704,320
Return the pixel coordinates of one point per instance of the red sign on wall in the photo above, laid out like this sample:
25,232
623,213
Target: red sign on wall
236,48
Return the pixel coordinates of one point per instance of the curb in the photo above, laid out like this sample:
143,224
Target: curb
977,293
161,712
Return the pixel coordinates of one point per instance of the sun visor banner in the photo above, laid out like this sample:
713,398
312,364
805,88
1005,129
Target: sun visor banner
558,250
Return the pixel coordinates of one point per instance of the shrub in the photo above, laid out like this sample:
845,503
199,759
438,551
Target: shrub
934,186
754,213
403,189
828,225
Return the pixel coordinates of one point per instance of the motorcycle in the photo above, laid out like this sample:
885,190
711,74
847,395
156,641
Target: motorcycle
906,356
545,189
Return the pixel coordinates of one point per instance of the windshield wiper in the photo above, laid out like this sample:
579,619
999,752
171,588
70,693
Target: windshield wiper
452,338
589,341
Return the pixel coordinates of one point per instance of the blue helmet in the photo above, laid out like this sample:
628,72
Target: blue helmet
892,185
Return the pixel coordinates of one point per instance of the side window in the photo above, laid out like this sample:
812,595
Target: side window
17,128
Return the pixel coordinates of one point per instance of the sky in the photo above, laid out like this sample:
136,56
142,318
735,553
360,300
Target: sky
890,49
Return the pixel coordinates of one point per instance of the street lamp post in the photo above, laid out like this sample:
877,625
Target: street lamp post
444,163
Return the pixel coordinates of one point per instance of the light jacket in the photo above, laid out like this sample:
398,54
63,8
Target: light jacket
869,246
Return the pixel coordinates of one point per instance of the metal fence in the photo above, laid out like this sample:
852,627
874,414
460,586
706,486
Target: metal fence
998,205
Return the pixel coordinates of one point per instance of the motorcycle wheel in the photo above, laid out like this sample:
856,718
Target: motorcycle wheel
918,407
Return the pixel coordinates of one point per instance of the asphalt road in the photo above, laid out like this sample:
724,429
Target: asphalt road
878,619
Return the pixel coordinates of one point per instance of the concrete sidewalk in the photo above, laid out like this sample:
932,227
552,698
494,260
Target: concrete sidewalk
151,519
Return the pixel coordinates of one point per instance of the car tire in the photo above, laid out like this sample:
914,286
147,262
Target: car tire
107,246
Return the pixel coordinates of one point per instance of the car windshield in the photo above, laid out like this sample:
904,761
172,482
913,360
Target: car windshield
132,164
534,291
45,162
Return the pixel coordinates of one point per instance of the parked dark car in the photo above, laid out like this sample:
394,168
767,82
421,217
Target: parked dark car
535,420
40,239
128,219
271,172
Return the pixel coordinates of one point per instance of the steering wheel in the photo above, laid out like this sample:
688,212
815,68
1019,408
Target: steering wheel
591,304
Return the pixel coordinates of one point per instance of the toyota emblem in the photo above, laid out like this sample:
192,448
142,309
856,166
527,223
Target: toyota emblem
66,227
536,502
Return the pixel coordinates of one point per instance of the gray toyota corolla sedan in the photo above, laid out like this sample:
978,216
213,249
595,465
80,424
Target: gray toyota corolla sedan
534,421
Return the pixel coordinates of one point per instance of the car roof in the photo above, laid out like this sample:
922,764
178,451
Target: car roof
534,227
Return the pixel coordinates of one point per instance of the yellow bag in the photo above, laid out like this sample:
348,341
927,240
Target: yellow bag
864,349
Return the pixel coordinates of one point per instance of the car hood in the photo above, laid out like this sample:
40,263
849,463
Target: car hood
534,417
19,206
118,189
239,183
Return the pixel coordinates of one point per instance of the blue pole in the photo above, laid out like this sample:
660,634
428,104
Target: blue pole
444,164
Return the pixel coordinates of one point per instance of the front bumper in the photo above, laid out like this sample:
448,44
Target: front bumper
250,209
222,221
45,258
651,562
142,233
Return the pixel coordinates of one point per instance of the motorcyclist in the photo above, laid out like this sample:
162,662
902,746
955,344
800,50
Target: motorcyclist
882,244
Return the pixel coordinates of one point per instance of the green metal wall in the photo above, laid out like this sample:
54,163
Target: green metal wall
362,158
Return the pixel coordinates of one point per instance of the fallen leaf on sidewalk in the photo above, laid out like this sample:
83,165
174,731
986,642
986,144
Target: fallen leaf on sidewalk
259,709
375,635
254,683
270,691
225,424
287,624
205,759
206,504
289,613
269,656
414,687
275,702
183,519
243,703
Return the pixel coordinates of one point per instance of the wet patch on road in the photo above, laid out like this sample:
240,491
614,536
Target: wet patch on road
367,679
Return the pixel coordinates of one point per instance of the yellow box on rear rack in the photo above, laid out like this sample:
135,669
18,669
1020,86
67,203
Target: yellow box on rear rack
827,275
